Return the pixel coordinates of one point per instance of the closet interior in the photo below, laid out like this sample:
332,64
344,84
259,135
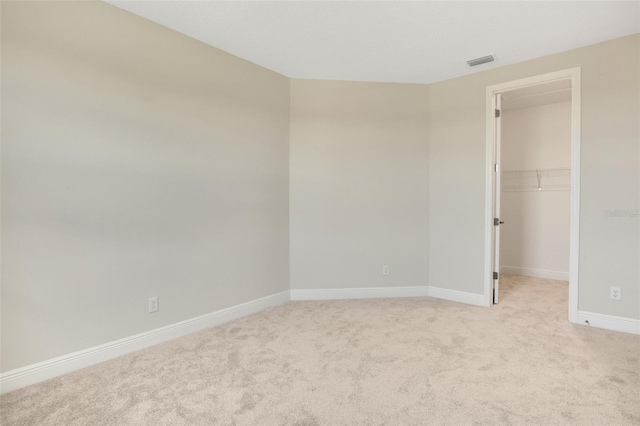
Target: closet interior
536,181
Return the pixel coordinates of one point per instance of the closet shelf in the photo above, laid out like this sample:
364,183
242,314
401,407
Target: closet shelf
550,179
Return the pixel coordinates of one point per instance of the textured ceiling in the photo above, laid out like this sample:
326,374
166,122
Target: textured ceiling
391,41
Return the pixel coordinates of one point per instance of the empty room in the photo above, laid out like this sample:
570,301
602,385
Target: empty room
319,212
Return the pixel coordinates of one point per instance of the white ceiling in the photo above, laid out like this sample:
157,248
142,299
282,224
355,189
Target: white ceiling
540,94
390,41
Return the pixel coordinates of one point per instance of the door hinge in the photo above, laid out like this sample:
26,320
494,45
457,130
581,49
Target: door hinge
496,167
495,275
497,113
496,221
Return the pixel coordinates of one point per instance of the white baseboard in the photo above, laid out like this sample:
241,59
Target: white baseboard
359,293
457,296
381,292
31,374
21,377
536,273
609,322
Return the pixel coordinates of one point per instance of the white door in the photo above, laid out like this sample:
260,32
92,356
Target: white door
496,205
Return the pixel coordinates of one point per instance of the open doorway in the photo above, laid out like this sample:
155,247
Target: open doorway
535,178
533,163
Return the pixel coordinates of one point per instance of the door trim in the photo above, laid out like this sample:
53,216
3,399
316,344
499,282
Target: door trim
574,75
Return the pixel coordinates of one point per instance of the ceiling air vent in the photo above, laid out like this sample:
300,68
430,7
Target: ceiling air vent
481,60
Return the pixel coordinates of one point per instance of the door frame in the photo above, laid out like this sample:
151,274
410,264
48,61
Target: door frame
497,194
574,75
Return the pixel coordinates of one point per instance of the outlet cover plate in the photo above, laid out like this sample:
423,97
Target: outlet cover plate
614,293
153,304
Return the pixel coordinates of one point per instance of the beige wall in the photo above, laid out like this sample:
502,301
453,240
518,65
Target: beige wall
136,162
535,237
359,189
609,179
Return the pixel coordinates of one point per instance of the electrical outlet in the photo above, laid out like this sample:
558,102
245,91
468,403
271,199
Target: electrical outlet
614,293
153,304
385,270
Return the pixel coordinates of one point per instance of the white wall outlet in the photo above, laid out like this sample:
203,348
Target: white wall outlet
385,270
614,293
153,304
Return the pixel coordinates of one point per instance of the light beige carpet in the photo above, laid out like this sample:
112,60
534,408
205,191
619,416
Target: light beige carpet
374,362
